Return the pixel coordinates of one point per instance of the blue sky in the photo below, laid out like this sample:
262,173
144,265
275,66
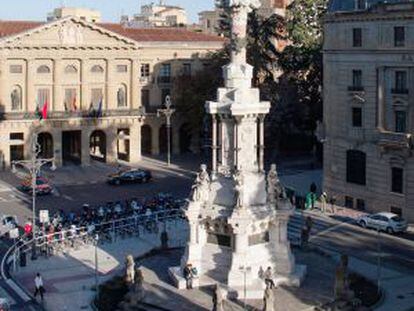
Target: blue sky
110,9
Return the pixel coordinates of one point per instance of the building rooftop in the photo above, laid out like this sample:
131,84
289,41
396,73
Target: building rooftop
358,5
9,28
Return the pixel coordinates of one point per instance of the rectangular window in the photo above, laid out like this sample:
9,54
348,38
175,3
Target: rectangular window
122,68
361,4
349,202
145,70
400,82
16,68
400,121
145,98
16,136
357,37
96,98
356,167
356,81
356,117
43,97
70,100
360,204
165,74
187,70
399,36
164,94
16,152
397,179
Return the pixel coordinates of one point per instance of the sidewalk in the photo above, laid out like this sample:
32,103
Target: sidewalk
70,277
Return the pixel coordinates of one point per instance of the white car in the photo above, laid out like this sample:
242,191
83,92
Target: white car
8,222
389,222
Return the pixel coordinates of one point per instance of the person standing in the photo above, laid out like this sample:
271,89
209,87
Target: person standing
188,275
39,289
324,200
268,275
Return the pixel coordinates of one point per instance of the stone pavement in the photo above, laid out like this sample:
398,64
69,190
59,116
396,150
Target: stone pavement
70,277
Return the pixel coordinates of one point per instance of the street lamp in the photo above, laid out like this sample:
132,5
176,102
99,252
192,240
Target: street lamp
167,112
33,166
245,270
96,238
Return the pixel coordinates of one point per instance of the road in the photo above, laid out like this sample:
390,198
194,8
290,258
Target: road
330,233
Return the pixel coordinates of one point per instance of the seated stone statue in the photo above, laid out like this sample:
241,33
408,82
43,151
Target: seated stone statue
201,185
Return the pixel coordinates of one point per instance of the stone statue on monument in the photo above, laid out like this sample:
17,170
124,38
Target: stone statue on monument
238,188
201,186
130,270
275,189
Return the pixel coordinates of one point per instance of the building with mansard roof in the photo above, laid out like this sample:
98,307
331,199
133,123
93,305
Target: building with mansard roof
368,105
102,85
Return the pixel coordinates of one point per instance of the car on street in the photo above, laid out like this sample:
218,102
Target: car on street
43,186
388,222
130,176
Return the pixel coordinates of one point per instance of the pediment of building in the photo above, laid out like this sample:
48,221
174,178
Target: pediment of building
68,33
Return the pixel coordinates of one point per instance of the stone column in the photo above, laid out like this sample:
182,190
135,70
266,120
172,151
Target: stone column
58,93
381,97
134,143
111,145
284,263
31,95
57,146
155,146
111,91
240,222
85,156
214,146
261,143
84,89
135,88
4,101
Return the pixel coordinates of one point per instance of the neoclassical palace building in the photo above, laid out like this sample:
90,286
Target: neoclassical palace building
91,90
368,105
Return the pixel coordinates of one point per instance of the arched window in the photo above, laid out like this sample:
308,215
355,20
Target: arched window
16,98
122,96
43,69
71,69
356,167
97,69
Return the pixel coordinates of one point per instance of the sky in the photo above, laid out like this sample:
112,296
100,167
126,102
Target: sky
111,10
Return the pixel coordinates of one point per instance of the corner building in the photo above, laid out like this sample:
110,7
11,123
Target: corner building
368,105
102,84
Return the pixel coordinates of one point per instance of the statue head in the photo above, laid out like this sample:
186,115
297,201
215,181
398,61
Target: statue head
203,168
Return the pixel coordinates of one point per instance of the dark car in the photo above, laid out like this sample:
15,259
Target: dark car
130,177
43,186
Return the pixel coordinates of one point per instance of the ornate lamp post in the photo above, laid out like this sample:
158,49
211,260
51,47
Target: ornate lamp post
167,112
33,166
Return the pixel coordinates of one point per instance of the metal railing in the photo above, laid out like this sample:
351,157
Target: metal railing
108,232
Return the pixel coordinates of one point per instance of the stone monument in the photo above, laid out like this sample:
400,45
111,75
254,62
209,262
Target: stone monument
238,216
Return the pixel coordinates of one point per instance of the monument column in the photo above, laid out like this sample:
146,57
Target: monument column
214,145
261,143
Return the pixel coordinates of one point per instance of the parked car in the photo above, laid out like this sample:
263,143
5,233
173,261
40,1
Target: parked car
8,222
389,222
130,176
43,186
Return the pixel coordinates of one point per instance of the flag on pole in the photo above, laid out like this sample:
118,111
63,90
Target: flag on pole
99,112
44,110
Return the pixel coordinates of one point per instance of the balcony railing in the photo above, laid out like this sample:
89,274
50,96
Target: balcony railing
58,115
394,140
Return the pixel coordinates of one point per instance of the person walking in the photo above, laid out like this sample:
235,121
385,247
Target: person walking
268,275
39,289
324,200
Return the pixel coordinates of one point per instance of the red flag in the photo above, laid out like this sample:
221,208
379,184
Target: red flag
44,110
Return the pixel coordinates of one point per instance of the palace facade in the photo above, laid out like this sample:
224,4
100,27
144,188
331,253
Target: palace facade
368,105
97,86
